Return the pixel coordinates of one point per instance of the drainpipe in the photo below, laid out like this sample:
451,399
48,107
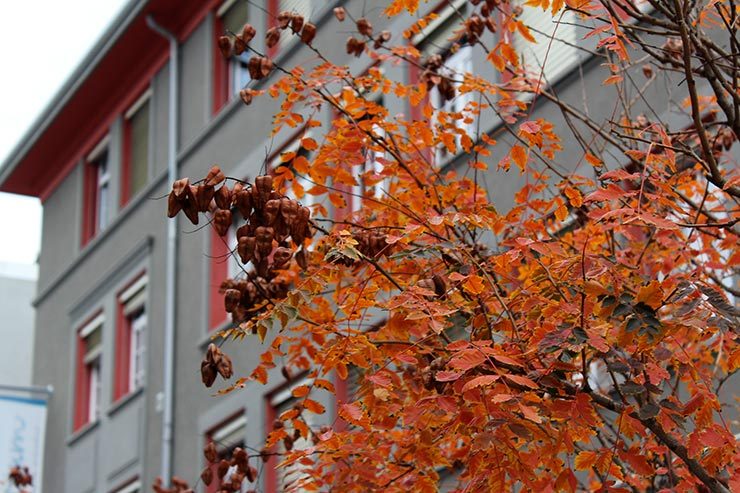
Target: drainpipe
171,264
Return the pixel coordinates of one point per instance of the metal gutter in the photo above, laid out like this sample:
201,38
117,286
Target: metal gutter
168,384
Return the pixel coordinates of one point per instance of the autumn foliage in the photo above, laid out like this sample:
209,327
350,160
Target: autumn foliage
575,340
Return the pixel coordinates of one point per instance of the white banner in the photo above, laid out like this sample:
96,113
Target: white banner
22,431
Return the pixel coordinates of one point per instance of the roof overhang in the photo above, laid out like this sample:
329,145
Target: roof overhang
81,111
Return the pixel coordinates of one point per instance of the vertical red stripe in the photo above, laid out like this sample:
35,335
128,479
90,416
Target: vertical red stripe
219,271
89,202
82,387
121,381
272,462
126,163
220,69
273,7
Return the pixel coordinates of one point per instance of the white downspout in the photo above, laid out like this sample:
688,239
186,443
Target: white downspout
171,264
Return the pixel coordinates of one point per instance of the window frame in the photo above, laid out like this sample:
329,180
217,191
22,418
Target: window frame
287,38
144,99
131,302
227,74
88,382
94,220
238,421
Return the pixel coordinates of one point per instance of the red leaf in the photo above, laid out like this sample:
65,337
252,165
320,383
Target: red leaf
480,381
520,380
447,376
467,359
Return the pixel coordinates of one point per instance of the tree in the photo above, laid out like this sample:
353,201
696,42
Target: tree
583,349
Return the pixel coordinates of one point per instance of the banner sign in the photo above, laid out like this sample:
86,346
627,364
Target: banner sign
22,431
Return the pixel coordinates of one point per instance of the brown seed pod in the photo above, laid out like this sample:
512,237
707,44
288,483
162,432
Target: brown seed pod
254,67
246,247
251,473
222,221
272,37
209,452
647,70
300,258
364,27
225,367
263,186
271,211
340,14
243,202
207,476
225,45
246,95
285,372
231,299
283,19
223,197
223,468
207,373
308,33
296,24
281,257
189,207
239,46
174,205
266,66
248,33
288,443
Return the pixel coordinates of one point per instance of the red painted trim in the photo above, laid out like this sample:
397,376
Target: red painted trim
124,101
191,24
125,192
270,466
219,271
273,7
341,396
122,350
89,202
82,380
220,69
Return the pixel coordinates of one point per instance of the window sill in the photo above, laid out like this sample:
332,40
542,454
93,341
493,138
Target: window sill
85,430
124,401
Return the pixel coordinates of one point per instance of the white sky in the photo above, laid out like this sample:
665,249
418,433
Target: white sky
41,43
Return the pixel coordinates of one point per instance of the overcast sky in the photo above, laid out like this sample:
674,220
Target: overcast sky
41,43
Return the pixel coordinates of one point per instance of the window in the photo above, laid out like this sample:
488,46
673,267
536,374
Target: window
284,478
227,438
457,60
301,7
373,165
87,385
544,27
132,487
130,339
229,76
135,172
96,195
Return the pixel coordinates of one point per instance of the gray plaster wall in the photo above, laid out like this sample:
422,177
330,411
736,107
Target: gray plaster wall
74,282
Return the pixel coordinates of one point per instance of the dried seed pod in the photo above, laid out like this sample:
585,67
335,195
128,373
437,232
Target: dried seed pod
340,14
203,194
285,372
174,205
263,184
288,443
440,286
248,33
491,24
272,37
297,23
190,209
251,473
225,368
283,19
180,187
308,33
266,66
223,468
207,373
225,45
231,299
214,176
281,257
243,202
222,221
265,455
245,248
300,258
209,452
207,476
223,197
246,95
271,211
647,70
254,67
364,27
239,46
288,210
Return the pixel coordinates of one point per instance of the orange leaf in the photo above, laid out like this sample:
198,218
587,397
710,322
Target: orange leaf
309,144
519,156
300,391
651,295
474,284
313,406
480,381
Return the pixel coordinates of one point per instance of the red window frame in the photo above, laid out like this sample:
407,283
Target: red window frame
142,97
220,68
214,486
89,202
122,357
82,378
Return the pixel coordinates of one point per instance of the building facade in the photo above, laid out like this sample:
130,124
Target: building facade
17,290
100,157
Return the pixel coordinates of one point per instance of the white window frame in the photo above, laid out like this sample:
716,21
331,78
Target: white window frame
133,301
102,181
238,73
